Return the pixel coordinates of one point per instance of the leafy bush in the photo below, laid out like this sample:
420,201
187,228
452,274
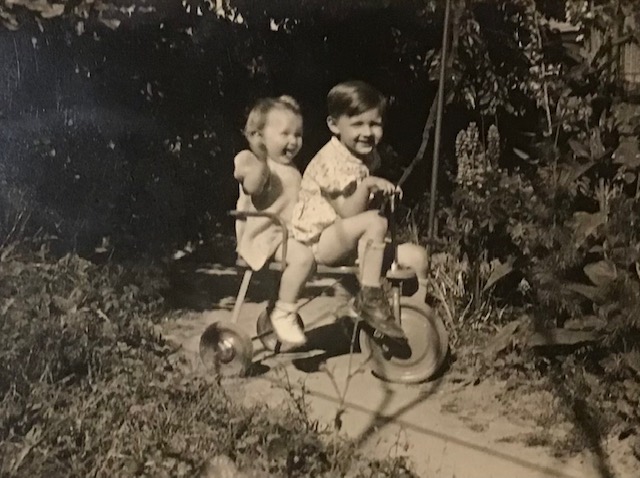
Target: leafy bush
540,230
561,242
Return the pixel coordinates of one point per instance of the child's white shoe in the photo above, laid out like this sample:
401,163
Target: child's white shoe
285,325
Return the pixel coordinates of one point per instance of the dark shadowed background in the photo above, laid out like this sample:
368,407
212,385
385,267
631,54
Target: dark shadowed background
130,133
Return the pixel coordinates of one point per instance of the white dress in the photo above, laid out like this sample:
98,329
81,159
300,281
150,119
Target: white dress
332,172
259,238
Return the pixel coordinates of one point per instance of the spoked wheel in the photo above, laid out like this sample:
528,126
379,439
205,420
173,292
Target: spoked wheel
226,350
415,359
265,332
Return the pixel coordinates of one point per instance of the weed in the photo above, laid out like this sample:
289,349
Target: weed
89,388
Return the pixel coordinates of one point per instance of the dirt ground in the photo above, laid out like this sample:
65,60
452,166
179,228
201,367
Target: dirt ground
446,427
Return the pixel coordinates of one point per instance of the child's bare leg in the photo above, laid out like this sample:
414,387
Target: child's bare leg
414,257
365,232
300,264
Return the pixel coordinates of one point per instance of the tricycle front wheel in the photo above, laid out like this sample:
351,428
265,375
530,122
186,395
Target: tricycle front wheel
226,350
414,359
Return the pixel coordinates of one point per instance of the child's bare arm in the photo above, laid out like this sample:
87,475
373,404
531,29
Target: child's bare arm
356,201
250,172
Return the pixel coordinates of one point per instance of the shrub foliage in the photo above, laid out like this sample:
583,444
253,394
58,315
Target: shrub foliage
89,388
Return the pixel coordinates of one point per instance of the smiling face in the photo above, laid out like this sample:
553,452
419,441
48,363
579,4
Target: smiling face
282,135
360,133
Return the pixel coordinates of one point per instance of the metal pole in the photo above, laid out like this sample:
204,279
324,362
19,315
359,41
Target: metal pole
439,112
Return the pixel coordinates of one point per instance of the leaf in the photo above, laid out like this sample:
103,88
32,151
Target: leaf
46,9
601,273
632,360
32,439
470,99
589,322
498,272
502,339
6,252
578,149
112,23
570,173
55,10
595,144
624,408
584,224
560,337
624,256
627,154
595,294
521,154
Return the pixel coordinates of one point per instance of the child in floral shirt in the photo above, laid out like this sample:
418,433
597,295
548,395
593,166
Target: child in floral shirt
333,215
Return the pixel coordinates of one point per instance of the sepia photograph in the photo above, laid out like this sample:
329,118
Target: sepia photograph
320,238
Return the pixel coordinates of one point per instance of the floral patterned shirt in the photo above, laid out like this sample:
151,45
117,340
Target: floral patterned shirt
333,172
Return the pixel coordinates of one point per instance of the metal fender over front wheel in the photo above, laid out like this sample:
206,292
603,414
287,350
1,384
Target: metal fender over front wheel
226,350
415,359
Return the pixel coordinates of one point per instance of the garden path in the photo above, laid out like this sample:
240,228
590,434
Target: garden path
445,428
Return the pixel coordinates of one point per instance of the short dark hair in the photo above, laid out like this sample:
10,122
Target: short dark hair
352,98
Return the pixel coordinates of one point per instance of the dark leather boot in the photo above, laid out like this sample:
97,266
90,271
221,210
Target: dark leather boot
372,305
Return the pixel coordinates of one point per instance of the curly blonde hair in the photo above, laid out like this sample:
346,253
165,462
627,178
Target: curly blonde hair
257,118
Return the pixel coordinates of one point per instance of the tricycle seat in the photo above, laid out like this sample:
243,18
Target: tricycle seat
392,274
321,269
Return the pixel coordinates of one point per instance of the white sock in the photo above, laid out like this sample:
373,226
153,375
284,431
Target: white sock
286,307
371,258
421,293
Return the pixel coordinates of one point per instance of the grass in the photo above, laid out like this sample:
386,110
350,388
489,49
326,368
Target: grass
88,387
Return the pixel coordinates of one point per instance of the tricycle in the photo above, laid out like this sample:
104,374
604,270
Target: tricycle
414,357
